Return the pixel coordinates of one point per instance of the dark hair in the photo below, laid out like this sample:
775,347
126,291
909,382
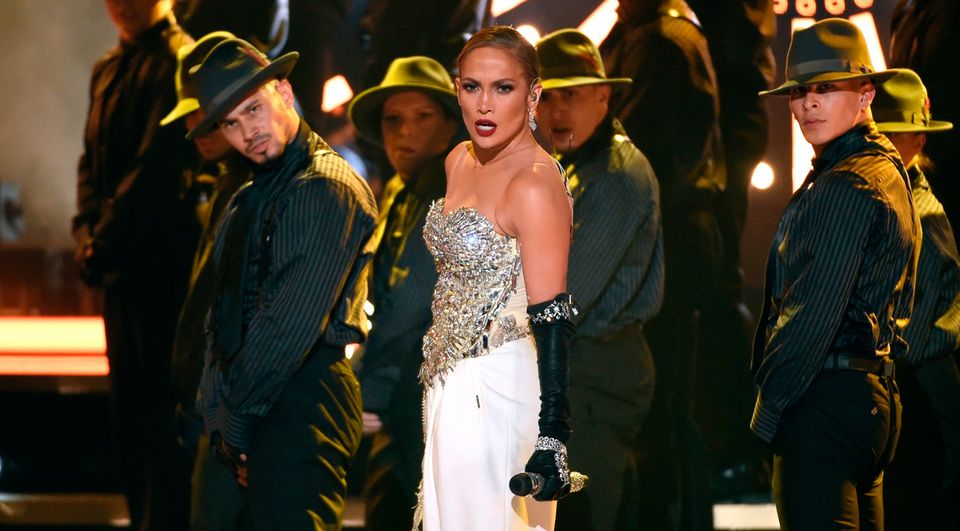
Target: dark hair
508,39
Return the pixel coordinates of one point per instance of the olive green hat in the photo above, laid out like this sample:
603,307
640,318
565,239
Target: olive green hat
229,73
902,106
404,74
188,56
830,50
569,58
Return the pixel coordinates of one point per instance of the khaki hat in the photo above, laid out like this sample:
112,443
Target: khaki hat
188,56
228,74
902,106
406,73
569,58
830,50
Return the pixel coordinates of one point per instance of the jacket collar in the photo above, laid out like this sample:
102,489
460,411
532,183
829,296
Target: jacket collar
863,137
598,141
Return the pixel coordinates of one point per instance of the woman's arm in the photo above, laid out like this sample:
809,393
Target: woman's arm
539,212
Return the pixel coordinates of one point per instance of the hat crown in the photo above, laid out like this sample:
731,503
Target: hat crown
417,71
190,56
569,53
229,63
233,70
831,45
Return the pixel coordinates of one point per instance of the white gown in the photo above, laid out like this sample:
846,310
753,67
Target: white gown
482,400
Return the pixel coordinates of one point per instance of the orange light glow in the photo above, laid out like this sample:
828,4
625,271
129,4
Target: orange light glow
52,335
336,92
48,365
55,346
598,25
500,7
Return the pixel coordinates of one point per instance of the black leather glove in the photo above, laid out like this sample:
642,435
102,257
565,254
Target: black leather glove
553,333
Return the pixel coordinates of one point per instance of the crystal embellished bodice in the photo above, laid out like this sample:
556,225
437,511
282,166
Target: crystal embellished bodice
479,302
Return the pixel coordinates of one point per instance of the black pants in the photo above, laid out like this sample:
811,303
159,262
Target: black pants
830,450
217,501
611,388
390,484
920,486
674,478
139,318
301,450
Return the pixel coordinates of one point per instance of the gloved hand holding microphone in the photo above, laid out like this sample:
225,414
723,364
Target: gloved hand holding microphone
547,475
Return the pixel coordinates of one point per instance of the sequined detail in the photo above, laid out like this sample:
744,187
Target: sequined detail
560,309
559,456
478,270
506,330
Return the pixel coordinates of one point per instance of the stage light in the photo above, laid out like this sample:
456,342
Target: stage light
802,152
529,32
53,346
499,7
868,27
762,177
598,25
53,365
350,350
336,92
57,335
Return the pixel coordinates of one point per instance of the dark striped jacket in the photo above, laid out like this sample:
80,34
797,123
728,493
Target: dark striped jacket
935,325
321,220
616,257
841,271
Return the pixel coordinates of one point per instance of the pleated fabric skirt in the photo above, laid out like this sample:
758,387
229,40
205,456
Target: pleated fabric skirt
481,426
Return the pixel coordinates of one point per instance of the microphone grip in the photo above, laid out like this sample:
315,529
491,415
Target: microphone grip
530,484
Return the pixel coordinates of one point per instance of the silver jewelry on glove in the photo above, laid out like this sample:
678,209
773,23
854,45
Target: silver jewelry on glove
559,455
559,309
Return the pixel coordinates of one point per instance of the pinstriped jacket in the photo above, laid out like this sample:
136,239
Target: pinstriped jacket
934,329
841,271
309,293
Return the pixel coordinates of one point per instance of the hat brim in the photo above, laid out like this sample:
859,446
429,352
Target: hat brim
364,110
232,96
183,108
934,126
579,81
811,79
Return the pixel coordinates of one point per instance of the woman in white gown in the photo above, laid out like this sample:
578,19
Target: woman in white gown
500,238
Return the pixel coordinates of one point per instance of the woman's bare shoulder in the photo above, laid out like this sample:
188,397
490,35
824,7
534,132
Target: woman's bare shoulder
542,175
456,156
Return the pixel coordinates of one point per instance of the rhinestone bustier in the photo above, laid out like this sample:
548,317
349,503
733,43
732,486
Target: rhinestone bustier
478,272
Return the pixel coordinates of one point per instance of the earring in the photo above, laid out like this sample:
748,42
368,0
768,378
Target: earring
533,122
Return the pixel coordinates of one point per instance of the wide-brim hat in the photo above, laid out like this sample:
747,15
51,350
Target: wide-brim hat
830,50
902,106
228,74
569,58
404,74
188,56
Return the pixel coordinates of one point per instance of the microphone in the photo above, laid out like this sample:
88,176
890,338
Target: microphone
530,484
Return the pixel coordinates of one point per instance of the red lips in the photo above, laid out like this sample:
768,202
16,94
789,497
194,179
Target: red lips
485,127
